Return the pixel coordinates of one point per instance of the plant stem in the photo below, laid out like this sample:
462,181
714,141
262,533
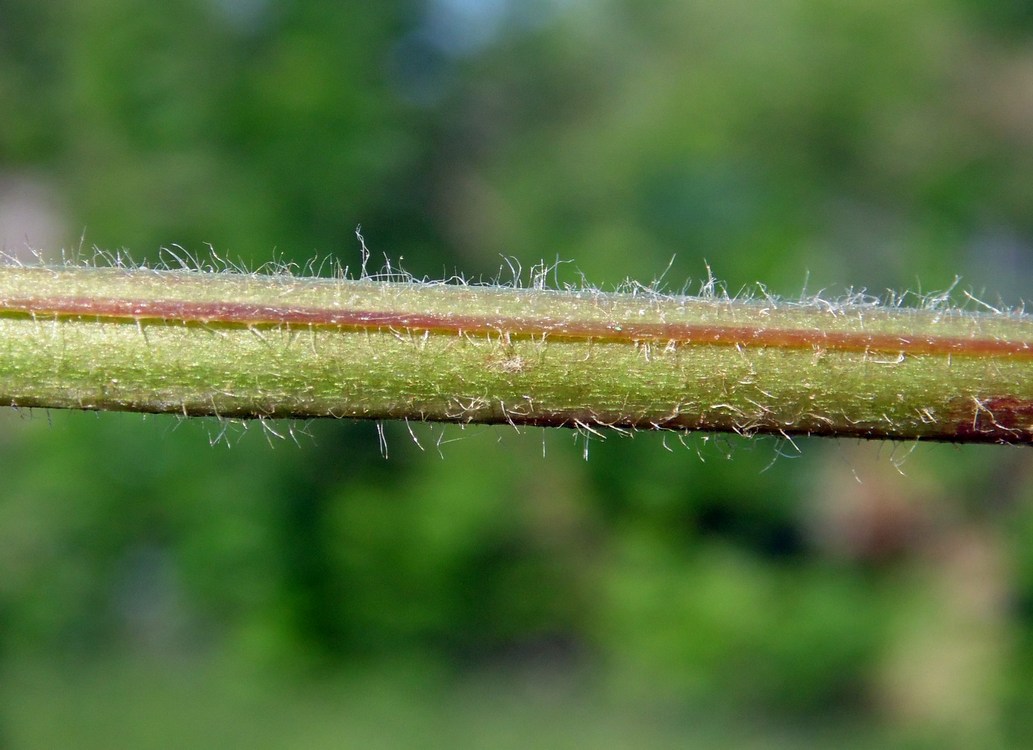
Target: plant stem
237,345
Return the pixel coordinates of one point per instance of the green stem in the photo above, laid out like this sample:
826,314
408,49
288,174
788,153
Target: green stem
238,345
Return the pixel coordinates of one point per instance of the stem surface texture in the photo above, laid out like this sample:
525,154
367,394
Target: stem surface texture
248,345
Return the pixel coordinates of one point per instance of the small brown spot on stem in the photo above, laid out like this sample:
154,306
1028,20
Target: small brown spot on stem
1008,417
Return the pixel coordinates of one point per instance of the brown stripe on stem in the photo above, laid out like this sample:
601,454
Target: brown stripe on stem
244,314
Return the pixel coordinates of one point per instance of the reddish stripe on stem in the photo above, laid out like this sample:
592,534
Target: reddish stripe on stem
244,314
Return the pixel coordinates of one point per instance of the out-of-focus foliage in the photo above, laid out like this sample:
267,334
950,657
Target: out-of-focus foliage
719,591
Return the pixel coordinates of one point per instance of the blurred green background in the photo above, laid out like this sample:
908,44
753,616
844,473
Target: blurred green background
493,588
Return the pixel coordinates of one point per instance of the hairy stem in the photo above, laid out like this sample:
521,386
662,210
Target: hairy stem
240,345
